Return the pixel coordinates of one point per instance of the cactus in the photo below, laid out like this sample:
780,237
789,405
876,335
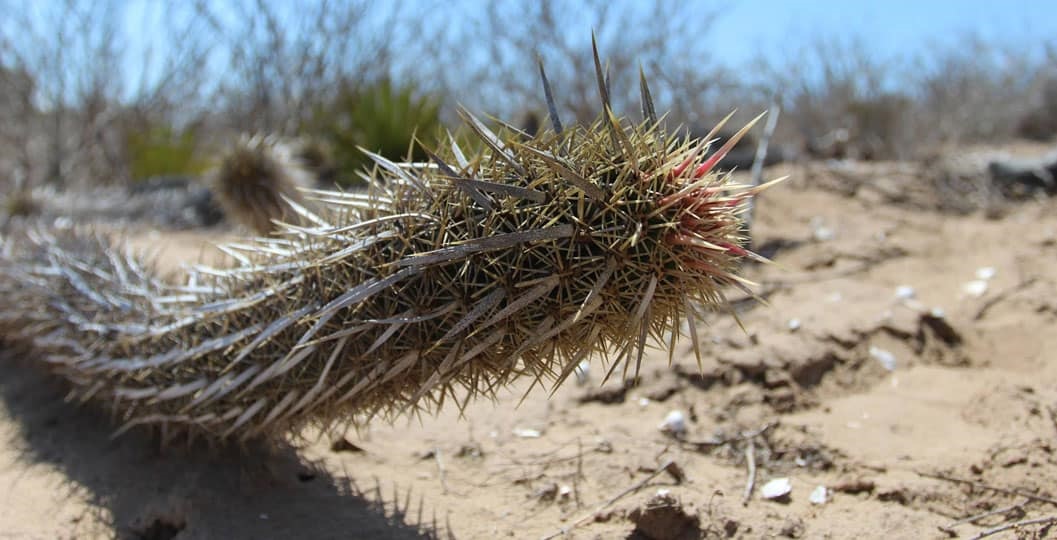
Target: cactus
443,282
258,184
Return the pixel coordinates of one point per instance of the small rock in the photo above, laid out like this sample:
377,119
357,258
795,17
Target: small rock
547,492
794,325
527,433
975,288
985,273
819,495
905,292
887,359
676,472
820,231
471,450
777,489
674,424
663,517
730,527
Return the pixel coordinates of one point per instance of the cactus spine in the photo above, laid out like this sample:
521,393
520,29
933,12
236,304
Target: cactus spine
443,281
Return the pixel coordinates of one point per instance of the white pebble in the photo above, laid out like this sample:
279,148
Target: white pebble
644,401
526,433
794,325
905,292
674,423
976,288
887,359
820,231
819,495
776,489
985,273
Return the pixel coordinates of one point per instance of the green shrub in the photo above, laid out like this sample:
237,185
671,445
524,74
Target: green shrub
161,150
382,117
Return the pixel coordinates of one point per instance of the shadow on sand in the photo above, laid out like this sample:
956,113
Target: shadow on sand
140,491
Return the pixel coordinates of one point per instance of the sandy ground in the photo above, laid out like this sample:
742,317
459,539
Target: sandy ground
873,372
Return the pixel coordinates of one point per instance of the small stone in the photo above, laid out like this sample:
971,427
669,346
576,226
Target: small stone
674,423
820,231
776,489
887,359
985,273
564,491
526,433
905,292
794,325
819,495
546,492
975,288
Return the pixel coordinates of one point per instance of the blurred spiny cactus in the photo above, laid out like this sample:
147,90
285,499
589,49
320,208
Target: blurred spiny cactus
443,282
259,183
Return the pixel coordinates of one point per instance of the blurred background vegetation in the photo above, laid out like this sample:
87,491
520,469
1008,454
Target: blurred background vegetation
121,91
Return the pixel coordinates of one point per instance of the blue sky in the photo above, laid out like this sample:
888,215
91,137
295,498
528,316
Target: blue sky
747,29
889,28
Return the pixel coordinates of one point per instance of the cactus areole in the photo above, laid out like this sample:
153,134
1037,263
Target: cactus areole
443,281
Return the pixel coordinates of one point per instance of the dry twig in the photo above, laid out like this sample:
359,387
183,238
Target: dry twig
761,157
441,471
750,465
1050,520
998,297
997,489
637,486
949,528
